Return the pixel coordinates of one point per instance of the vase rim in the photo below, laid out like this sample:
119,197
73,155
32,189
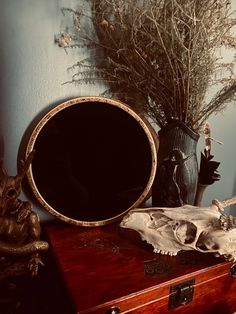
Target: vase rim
181,125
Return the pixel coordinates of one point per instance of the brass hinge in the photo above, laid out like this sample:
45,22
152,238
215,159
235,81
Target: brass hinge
181,294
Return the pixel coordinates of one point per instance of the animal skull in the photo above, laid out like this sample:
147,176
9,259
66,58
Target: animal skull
170,230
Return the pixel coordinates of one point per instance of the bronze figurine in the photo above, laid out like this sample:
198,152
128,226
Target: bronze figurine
20,229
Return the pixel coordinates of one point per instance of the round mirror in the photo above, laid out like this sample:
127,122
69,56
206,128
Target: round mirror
95,159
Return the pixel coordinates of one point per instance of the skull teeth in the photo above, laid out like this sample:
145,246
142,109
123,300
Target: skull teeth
163,252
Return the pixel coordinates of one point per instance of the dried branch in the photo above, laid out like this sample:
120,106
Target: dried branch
161,55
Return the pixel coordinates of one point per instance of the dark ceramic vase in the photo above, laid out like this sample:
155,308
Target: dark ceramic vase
177,167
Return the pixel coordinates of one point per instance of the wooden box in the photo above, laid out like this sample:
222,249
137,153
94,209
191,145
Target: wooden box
109,270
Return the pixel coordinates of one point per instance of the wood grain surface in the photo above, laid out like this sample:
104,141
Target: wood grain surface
103,267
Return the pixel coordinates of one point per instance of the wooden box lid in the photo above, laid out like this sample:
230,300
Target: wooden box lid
107,266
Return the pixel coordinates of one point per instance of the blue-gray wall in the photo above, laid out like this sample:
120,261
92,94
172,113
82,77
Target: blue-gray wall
33,69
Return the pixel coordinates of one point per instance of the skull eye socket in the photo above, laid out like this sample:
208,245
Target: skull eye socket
205,243
191,233
11,193
186,232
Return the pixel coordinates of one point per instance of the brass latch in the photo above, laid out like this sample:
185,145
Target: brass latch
181,294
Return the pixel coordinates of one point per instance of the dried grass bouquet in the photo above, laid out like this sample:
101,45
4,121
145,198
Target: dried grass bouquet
160,56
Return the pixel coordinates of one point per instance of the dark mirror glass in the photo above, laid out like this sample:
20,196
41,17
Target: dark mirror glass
93,161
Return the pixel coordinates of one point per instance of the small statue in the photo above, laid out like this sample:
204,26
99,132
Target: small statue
203,229
20,229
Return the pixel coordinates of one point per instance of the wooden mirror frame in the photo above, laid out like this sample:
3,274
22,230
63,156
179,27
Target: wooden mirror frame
147,129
